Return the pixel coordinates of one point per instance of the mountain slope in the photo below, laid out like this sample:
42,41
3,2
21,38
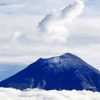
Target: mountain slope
63,72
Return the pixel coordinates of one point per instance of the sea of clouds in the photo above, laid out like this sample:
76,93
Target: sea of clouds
36,94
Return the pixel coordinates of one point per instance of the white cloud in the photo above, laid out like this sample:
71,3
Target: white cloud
84,31
56,24
16,35
36,94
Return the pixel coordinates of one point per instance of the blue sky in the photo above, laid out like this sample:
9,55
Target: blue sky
21,40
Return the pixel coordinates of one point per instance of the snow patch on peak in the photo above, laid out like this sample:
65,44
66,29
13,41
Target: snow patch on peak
64,59
68,55
67,60
54,59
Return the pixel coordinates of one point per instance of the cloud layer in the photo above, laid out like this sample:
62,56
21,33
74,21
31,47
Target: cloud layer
36,94
56,24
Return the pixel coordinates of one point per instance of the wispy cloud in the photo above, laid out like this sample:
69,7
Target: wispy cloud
56,24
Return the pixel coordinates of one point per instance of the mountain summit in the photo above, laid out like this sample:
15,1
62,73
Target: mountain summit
62,72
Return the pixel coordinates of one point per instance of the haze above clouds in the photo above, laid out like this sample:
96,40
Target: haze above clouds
22,40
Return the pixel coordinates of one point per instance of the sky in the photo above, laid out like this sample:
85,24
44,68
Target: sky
30,29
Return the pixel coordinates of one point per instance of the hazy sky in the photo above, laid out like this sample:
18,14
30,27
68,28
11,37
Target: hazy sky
22,40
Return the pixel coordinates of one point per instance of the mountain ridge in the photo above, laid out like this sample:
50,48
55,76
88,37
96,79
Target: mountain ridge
61,72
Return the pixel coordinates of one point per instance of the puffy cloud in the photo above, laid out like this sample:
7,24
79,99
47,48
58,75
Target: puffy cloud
16,35
19,37
56,24
36,94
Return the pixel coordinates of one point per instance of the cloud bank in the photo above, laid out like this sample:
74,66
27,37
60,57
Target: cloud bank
56,24
36,94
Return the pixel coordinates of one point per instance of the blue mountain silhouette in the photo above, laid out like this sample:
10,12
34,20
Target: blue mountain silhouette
62,72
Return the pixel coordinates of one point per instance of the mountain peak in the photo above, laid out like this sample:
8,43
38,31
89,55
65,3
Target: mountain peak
66,58
61,57
57,59
68,55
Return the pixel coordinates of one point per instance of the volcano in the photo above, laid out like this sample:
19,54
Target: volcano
65,72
